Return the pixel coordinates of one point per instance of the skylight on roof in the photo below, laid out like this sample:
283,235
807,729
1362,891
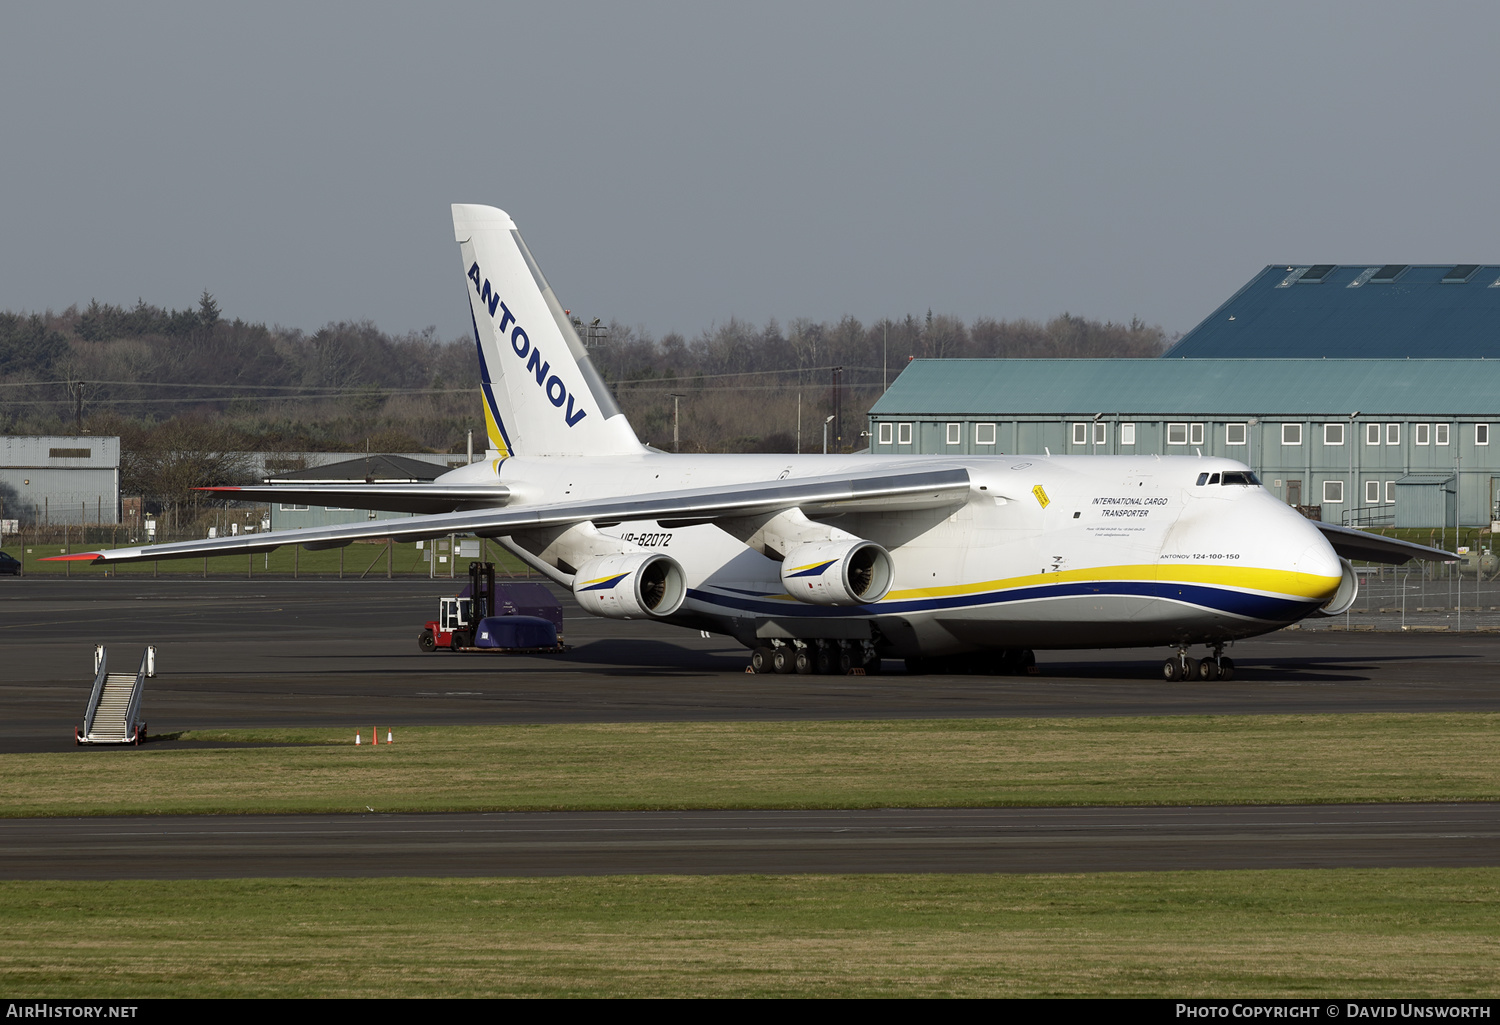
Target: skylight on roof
1390,272
1463,272
1316,273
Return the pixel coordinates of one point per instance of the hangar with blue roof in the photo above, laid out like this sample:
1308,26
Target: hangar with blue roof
1366,395
1355,311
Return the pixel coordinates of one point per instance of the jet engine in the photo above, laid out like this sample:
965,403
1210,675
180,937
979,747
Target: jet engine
837,572
642,585
1343,598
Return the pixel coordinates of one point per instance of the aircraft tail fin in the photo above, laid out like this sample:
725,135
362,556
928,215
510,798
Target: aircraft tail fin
542,395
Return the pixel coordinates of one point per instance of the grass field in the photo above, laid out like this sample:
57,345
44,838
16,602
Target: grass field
917,763
1372,933
1310,933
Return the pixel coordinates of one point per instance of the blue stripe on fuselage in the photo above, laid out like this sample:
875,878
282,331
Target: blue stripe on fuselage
1218,599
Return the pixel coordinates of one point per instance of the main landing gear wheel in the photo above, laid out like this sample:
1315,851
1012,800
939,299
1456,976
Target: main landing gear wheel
1226,668
760,660
802,662
781,660
1179,667
1208,670
827,659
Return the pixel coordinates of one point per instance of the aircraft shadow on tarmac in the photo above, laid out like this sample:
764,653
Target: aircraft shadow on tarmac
626,657
623,657
657,658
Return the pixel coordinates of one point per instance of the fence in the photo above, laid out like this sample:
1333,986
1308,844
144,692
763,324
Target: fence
1420,596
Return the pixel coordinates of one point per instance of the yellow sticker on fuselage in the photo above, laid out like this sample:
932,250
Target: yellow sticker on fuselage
1041,496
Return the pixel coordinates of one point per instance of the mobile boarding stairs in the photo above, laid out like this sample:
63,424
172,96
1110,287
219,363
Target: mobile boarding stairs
114,712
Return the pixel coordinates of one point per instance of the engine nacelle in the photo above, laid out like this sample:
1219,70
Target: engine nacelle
1343,598
837,572
642,585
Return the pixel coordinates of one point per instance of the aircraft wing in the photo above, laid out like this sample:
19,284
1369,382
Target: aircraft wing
412,498
1360,544
825,496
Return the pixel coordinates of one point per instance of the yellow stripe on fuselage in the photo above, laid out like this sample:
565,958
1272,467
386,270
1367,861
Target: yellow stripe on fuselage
1250,578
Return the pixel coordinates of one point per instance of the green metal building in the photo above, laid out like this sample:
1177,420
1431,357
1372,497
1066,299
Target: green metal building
1367,442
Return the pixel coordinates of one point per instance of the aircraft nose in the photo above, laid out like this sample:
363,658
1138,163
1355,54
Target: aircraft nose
1319,559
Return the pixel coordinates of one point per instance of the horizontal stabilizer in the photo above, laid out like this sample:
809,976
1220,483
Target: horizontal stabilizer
1363,546
412,498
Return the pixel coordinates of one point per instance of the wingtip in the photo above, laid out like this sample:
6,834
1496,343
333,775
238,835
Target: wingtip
86,556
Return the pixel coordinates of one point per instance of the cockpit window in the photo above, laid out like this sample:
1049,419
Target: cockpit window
1202,479
1235,477
1214,479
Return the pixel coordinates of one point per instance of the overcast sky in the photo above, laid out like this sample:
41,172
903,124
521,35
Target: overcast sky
672,165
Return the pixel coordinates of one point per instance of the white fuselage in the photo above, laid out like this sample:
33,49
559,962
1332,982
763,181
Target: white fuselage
1046,552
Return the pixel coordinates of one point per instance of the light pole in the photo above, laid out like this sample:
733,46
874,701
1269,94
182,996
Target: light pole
676,443
826,421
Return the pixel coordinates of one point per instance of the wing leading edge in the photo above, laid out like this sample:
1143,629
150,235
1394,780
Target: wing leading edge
1366,547
824,496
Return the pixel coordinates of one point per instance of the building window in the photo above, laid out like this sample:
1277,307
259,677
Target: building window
1333,434
1196,431
1372,434
1481,434
1372,492
1234,434
1422,433
1101,434
1393,434
1440,434
1333,492
293,508
955,434
886,434
1390,491
1080,434
984,434
1291,434
903,434
1176,434
1127,434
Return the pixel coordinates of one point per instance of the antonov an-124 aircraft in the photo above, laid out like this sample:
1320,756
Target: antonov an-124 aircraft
826,563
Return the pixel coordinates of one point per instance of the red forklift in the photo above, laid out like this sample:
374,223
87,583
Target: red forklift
513,618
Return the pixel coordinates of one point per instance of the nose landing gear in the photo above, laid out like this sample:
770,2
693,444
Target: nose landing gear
1183,666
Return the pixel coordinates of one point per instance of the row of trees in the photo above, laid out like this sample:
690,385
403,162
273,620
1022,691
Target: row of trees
159,376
